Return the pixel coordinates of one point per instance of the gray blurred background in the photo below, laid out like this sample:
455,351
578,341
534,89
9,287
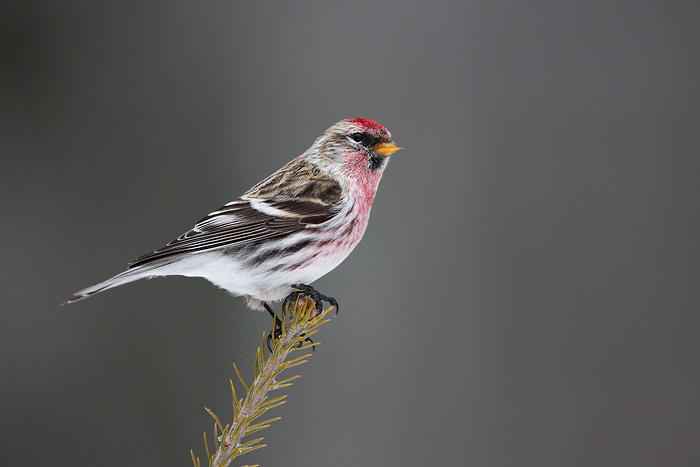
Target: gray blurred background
527,292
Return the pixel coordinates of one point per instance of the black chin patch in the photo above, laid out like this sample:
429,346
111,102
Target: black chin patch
375,162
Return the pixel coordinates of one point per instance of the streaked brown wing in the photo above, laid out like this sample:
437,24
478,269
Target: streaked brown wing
239,223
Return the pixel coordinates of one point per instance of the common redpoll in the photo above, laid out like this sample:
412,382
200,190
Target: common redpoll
288,230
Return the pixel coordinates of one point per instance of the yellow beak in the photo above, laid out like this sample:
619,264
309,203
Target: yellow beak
386,148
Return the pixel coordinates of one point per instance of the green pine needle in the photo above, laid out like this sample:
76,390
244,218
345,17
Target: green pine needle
300,320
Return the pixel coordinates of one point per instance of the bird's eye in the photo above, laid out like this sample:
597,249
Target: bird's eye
357,137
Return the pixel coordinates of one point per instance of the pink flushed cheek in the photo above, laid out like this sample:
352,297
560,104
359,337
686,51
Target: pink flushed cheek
366,180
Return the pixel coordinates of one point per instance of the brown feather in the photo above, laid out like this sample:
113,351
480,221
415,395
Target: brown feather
309,203
298,180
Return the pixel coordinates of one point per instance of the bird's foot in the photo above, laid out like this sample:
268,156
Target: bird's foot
310,341
313,294
277,331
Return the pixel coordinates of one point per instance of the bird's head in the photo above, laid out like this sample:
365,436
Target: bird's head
359,148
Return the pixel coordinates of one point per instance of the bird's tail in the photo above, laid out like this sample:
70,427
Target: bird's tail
130,275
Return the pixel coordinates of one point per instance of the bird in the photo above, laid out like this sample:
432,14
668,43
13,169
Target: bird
287,231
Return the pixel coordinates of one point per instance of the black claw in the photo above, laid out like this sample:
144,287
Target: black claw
277,330
317,297
292,297
274,334
302,290
308,339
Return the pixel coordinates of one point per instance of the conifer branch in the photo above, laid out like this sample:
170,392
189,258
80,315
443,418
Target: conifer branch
300,319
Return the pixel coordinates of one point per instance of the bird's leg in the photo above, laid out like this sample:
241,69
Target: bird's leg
313,294
269,310
317,297
277,331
